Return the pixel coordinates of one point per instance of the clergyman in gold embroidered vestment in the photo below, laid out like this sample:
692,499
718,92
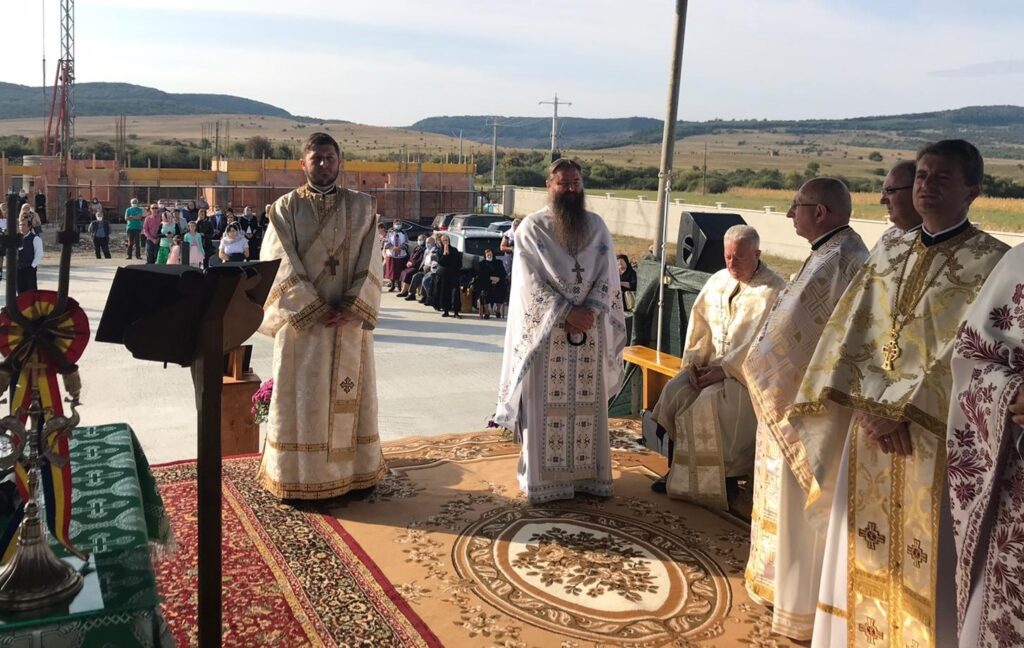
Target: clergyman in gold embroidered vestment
322,437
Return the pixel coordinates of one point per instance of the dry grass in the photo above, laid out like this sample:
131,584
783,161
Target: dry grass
358,140
756,150
994,214
726,151
635,248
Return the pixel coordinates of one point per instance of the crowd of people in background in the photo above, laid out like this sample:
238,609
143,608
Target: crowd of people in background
30,254
430,270
193,233
433,272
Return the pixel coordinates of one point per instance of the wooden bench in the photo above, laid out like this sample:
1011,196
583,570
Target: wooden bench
656,368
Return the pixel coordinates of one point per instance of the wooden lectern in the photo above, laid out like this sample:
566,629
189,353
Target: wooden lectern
239,434
208,314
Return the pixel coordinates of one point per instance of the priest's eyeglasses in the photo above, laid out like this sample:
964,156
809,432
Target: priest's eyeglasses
888,191
793,205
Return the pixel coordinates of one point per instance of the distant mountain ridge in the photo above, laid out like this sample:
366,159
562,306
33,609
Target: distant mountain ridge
101,99
995,128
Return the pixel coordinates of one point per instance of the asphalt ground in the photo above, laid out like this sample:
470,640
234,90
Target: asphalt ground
434,375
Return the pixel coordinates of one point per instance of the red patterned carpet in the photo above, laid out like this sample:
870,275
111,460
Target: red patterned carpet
291,578
445,551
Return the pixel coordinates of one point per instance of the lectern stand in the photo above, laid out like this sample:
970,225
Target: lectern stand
205,314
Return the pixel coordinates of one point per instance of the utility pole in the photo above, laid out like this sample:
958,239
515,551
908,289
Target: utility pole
460,147
704,179
43,85
494,149
554,124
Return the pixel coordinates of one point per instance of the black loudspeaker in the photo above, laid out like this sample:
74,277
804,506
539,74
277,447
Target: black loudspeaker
701,242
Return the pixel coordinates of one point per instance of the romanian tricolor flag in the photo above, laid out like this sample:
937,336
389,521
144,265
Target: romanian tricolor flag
38,371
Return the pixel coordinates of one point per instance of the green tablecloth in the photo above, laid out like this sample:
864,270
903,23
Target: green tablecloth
116,514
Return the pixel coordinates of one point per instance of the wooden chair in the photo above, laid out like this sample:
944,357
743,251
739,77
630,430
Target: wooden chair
656,369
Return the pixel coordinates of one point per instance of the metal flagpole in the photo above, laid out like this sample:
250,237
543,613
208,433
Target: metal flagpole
664,259
667,151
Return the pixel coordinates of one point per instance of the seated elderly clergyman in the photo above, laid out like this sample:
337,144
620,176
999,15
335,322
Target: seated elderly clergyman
705,410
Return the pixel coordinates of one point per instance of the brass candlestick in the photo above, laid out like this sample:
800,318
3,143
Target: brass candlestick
35,578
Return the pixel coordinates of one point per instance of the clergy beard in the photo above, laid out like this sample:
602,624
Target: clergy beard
569,210
321,180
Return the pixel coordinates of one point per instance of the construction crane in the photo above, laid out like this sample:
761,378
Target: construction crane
60,128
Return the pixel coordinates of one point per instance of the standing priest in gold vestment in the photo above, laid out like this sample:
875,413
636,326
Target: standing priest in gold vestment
705,410
322,437
785,551
871,413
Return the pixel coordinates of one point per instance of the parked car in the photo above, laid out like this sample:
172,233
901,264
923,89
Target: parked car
441,221
500,227
472,243
462,221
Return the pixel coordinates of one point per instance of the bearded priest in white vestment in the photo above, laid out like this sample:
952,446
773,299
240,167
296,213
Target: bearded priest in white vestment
563,345
322,435
785,551
985,461
705,409
871,415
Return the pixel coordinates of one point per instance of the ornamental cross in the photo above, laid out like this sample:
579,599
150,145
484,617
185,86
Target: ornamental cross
917,553
579,273
890,351
870,631
331,264
871,535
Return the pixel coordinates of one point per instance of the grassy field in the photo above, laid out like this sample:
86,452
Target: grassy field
995,214
635,248
783,151
357,140
727,150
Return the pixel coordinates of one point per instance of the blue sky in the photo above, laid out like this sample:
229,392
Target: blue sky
391,62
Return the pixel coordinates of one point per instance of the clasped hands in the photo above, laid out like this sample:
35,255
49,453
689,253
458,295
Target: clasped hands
893,437
334,318
579,320
1017,408
701,376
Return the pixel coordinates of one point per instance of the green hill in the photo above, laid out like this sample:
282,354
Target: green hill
999,130
18,101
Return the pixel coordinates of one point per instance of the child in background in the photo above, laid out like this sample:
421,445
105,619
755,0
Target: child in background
174,257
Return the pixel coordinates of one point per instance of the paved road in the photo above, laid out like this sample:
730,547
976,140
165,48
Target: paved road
434,375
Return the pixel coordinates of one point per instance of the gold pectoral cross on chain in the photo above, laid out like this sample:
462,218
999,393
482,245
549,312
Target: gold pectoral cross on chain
332,264
891,350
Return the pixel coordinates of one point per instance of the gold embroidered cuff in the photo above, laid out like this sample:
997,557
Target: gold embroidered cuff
309,315
283,286
362,309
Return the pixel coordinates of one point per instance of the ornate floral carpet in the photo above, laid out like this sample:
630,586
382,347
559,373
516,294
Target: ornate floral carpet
446,552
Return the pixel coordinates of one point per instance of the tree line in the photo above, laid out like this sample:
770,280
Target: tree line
524,169
528,170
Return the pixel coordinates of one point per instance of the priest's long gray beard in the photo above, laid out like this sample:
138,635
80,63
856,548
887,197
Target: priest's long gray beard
569,210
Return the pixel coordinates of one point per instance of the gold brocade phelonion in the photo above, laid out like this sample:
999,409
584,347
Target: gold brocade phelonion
891,350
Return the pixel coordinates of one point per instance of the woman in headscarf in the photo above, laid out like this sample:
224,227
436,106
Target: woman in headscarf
491,285
449,296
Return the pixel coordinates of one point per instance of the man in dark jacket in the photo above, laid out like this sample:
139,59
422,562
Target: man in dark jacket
100,230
